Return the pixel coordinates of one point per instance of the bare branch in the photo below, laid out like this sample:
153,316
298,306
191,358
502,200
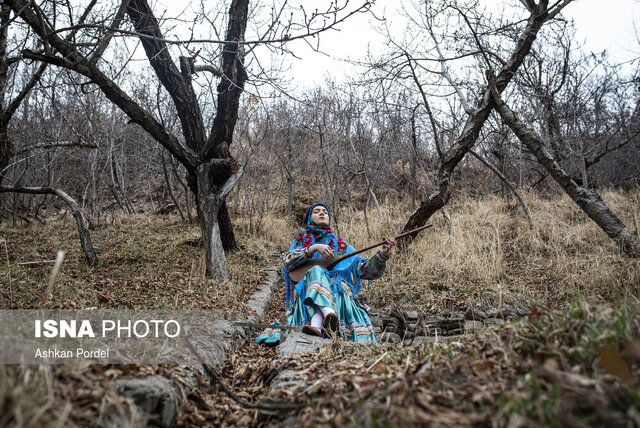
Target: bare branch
507,183
588,200
54,145
104,43
210,68
11,108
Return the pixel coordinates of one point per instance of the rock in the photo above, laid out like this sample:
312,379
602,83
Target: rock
377,322
387,321
475,314
228,330
503,311
431,331
411,315
451,324
389,338
155,395
522,312
430,320
408,334
377,330
494,321
260,300
297,343
411,326
473,325
393,329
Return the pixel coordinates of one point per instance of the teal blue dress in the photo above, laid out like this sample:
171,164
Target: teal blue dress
337,288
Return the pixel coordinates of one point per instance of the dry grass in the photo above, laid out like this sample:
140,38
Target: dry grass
146,262
491,256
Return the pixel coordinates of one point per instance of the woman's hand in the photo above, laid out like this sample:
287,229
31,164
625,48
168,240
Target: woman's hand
324,250
387,246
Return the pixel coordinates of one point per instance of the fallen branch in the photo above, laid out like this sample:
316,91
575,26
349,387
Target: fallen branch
81,221
37,262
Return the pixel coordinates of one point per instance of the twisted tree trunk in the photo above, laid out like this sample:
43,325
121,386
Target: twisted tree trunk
540,14
586,198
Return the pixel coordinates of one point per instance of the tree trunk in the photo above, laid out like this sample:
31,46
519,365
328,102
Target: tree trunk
586,198
476,119
215,260
226,229
81,222
210,201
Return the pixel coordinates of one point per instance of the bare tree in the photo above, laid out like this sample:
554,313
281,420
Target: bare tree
211,169
8,148
586,198
480,41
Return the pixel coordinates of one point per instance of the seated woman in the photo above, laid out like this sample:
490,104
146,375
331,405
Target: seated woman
324,302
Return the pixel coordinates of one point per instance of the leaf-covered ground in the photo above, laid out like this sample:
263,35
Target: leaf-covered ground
577,366
573,362
145,262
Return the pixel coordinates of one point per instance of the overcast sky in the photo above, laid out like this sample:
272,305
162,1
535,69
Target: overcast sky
610,27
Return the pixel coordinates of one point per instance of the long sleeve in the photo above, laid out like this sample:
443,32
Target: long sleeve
294,258
373,268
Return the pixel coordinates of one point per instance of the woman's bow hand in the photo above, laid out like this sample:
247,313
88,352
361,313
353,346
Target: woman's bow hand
324,250
387,246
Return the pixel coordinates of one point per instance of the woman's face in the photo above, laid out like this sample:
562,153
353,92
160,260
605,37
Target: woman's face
320,215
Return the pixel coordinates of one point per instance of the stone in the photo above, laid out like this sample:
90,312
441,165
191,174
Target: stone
503,311
387,321
419,340
412,315
451,324
473,325
228,330
475,314
388,337
430,320
297,343
260,300
494,321
155,395
393,329
377,322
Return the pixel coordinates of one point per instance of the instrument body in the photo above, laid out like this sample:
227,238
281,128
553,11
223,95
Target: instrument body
296,275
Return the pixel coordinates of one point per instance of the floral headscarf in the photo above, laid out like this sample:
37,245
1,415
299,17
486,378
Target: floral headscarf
314,234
